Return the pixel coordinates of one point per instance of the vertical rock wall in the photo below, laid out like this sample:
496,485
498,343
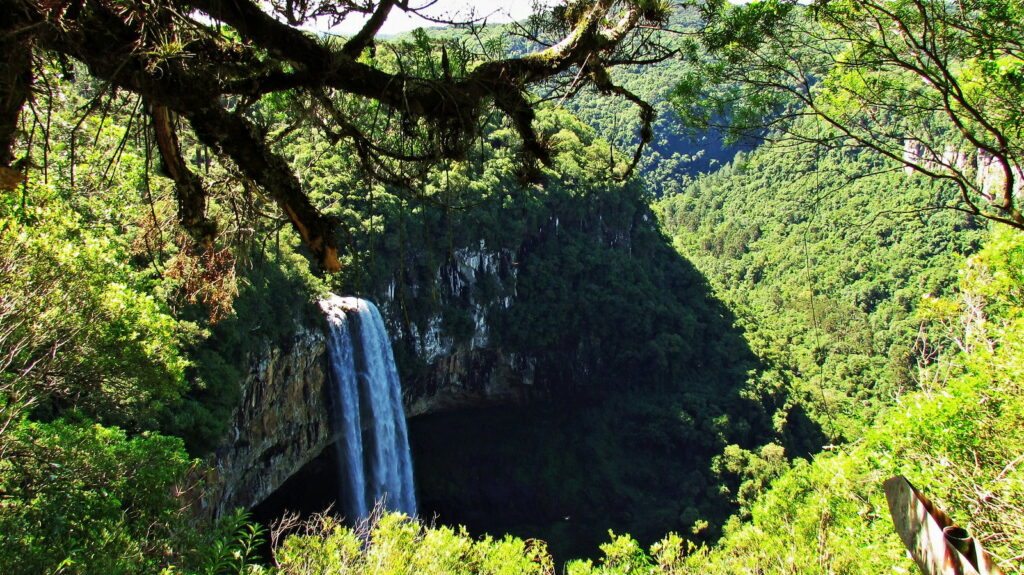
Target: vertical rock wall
283,419
463,366
281,423
456,360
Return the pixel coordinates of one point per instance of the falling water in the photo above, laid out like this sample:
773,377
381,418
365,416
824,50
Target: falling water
373,452
346,415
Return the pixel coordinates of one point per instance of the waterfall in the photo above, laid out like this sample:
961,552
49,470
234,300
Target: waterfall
373,450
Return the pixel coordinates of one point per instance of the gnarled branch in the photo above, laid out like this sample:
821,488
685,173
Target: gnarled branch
189,187
124,43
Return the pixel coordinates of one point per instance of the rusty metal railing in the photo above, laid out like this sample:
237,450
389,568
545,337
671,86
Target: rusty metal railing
939,546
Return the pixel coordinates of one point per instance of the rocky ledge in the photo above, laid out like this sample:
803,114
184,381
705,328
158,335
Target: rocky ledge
281,423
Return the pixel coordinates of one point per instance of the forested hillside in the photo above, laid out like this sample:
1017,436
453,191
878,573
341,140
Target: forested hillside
853,287
607,312
123,349
674,155
829,515
825,257
625,337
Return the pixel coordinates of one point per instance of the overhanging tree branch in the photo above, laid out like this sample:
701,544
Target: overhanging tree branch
189,187
184,66
15,81
882,74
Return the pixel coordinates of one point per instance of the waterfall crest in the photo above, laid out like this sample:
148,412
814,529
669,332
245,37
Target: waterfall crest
373,451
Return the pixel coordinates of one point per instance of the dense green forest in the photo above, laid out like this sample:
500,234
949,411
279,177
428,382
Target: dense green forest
761,258
825,266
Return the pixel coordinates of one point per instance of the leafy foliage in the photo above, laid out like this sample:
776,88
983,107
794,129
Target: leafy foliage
395,544
675,155
930,84
81,326
958,439
824,265
87,499
79,497
123,340
620,333
98,340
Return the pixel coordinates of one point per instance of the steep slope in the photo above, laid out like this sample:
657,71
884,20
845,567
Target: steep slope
674,156
824,259
958,439
560,296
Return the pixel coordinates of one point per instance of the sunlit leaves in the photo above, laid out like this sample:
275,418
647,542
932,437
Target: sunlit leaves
880,73
958,440
393,544
88,498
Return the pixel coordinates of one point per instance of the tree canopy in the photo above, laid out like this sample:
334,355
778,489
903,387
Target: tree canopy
211,63
932,84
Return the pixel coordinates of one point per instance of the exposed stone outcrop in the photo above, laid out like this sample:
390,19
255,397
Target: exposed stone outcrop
455,359
989,176
473,378
281,423
464,369
283,420
992,178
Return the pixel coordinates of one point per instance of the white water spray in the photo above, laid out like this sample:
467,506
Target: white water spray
373,451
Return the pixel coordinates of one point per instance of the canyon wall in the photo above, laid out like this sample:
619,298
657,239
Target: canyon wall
283,419
281,423
562,309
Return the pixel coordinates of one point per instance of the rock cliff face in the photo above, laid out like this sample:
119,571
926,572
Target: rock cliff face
988,173
280,425
459,364
283,420
463,326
